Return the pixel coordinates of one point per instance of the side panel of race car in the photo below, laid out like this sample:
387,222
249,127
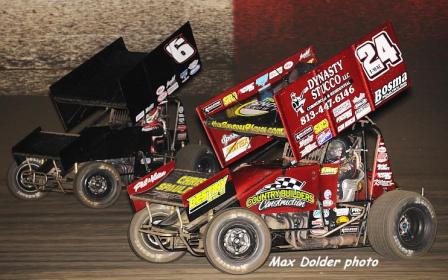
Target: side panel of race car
229,146
266,190
295,189
147,182
329,99
209,194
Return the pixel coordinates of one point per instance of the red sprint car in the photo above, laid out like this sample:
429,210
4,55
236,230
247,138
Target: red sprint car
303,167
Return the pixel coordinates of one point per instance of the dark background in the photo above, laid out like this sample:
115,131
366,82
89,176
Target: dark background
57,238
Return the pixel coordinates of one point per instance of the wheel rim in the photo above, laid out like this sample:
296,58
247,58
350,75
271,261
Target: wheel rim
21,178
149,239
238,241
97,186
411,227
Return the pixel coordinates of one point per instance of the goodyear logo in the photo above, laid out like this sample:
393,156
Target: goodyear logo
207,195
182,185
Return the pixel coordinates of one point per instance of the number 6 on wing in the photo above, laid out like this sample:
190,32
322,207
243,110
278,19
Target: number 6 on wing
179,49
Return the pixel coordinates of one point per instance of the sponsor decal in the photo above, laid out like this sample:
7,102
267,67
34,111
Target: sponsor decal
325,80
377,55
182,185
327,198
256,108
236,148
359,100
311,147
345,116
305,54
324,136
385,175
363,110
149,180
346,124
263,80
323,124
297,102
230,98
382,167
327,87
391,88
348,229
303,133
143,112
341,211
328,170
317,213
382,157
362,106
342,220
207,195
212,106
317,223
194,67
163,91
284,192
184,76
344,106
355,212
227,138
252,128
307,140
383,183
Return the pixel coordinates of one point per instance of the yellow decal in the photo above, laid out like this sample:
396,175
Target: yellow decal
320,126
280,194
239,146
277,131
182,185
173,188
328,170
190,180
342,220
230,98
208,194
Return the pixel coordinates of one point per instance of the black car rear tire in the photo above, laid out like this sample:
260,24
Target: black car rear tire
196,157
237,241
145,245
97,185
15,181
401,224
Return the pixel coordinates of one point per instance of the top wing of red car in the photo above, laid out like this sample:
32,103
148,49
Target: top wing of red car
327,100
245,117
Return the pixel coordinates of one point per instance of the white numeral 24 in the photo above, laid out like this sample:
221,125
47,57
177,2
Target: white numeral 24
376,55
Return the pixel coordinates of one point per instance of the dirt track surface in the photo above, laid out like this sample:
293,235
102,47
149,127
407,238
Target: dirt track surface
57,238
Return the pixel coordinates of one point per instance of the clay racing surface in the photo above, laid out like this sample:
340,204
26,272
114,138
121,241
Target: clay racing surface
57,238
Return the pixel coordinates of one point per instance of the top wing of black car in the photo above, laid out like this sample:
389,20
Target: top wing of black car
121,79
